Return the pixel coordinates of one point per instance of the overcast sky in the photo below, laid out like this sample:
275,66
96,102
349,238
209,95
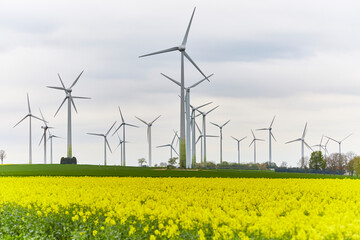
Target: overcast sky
298,60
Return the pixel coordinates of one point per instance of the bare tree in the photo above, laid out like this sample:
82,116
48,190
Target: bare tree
331,162
283,164
2,156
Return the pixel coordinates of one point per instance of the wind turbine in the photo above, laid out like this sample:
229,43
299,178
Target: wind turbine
319,145
254,141
183,53
339,142
171,148
46,127
270,135
238,146
188,117
193,123
105,140
123,124
120,145
204,131
30,115
220,127
302,139
70,100
149,135
51,151
201,137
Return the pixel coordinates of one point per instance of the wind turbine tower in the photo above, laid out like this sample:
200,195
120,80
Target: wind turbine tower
182,50
238,146
149,135
46,128
254,142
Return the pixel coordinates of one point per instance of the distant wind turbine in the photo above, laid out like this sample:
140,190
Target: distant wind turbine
149,135
220,128
123,124
201,137
171,149
120,145
30,115
270,135
46,128
188,117
254,142
238,146
70,100
182,49
302,139
204,114
320,144
51,144
339,142
105,140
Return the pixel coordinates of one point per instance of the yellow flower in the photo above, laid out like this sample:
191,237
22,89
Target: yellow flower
94,233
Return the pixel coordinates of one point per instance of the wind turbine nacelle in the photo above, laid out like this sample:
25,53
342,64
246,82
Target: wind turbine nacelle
181,48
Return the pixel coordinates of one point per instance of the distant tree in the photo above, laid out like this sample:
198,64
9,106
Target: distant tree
2,156
163,164
172,161
357,165
283,164
350,167
141,161
331,162
341,163
316,161
263,166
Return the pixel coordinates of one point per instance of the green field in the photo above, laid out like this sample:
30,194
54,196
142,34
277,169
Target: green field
93,170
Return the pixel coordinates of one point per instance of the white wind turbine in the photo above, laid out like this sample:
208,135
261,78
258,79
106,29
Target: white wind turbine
339,142
220,127
51,144
123,124
270,135
254,141
203,159
201,137
105,140
149,134
183,53
193,123
70,100
302,139
120,145
30,115
238,146
46,128
319,145
188,117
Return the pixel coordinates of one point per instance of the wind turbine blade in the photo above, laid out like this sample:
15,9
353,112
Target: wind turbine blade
61,82
242,139
273,136
174,150
235,139
260,129
72,101
188,29
117,129
80,97
142,120
166,145
162,51
257,139
252,142
332,139
59,88
96,134
110,128
304,133
211,110
28,102
321,139
42,116
60,105
215,124
308,146
173,80
107,143
347,137
253,133
299,139
198,139
172,141
122,118
127,124
42,137
76,79
193,63
195,84
38,118
21,120
197,126
155,119
272,122
225,123
211,136
202,105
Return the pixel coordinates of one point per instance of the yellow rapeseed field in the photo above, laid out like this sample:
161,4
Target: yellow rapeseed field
184,208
